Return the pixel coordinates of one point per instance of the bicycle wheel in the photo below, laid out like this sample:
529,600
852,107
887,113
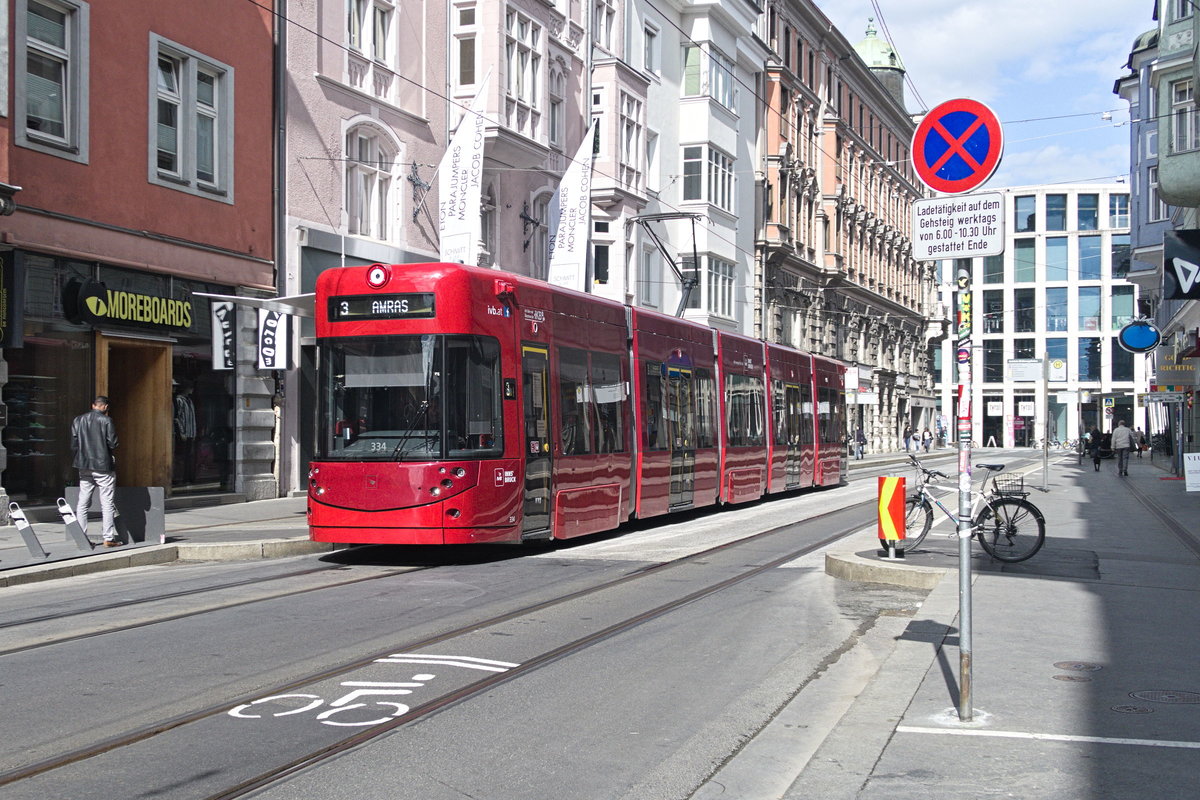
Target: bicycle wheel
918,518
1010,528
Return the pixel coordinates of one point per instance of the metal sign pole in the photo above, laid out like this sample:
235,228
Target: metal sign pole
963,280
1045,418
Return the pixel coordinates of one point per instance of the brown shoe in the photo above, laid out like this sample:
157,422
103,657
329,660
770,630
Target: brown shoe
112,543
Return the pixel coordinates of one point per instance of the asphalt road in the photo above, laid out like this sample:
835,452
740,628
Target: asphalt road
624,666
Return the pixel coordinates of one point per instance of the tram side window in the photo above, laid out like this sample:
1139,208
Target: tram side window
652,407
474,416
744,399
574,402
825,416
681,408
806,414
611,402
706,409
779,412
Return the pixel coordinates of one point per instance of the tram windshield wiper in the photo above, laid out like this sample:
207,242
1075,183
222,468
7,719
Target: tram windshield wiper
422,416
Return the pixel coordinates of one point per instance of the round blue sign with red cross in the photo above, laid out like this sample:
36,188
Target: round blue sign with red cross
957,146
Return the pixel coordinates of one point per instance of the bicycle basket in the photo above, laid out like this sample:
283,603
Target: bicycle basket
1009,484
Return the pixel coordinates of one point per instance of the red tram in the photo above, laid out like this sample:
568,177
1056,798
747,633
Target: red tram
461,405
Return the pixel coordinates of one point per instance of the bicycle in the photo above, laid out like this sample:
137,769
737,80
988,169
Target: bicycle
1009,527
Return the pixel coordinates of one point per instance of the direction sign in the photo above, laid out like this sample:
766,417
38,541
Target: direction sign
1165,397
957,146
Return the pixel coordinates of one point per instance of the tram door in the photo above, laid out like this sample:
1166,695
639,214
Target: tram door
795,425
681,423
535,381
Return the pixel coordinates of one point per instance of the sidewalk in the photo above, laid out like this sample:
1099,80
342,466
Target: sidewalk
237,531
1084,679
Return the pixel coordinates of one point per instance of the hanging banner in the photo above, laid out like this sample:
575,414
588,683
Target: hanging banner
272,339
224,318
570,219
460,186
12,299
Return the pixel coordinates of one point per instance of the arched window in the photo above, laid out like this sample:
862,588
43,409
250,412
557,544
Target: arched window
487,253
556,92
539,244
370,168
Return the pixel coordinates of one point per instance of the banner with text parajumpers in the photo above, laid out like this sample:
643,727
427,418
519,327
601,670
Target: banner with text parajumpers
570,219
272,339
460,186
224,343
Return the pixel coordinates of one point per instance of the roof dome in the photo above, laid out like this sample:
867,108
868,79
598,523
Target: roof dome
876,52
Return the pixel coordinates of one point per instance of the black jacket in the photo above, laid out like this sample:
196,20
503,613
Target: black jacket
93,440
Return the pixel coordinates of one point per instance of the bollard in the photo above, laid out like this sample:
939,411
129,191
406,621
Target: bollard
891,518
26,530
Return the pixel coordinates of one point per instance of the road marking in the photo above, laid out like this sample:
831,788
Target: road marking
485,664
1051,737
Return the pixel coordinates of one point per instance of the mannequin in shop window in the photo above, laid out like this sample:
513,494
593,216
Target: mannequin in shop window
185,433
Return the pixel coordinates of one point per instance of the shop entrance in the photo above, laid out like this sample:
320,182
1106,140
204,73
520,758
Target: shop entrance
136,376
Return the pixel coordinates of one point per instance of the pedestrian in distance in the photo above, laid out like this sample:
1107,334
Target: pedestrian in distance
1122,442
860,441
908,436
1094,442
926,439
93,440
1139,441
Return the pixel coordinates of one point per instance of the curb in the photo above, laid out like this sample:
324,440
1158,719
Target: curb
855,567
164,554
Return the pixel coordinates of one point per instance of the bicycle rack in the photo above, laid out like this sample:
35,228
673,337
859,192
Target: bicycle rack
26,530
75,531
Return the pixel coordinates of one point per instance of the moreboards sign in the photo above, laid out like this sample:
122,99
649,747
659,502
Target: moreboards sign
92,302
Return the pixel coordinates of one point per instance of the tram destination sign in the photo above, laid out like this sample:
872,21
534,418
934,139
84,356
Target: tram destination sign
958,227
381,306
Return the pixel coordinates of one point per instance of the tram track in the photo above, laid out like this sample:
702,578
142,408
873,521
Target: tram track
788,552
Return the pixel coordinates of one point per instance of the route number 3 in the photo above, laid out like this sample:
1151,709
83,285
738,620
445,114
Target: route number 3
347,702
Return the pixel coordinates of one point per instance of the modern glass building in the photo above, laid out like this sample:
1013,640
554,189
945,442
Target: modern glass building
1058,293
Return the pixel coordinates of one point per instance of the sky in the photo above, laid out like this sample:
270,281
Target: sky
1027,60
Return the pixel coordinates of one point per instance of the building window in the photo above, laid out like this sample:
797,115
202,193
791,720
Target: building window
652,181
555,91
464,30
1025,348
1024,310
191,134
1184,132
1120,255
1156,209
1056,258
522,56
650,279
719,78
631,141
1024,261
1088,212
1089,308
993,269
650,55
51,80
720,176
356,18
1089,358
1122,306
600,262
1056,310
369,165
993,361
540,245
993,311
1118,211
604,15
1122,362
1056,212
1025,209
1181,9
720,286
691,271
1090,250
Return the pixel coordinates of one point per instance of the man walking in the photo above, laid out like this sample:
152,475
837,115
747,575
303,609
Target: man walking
1122,441
93,440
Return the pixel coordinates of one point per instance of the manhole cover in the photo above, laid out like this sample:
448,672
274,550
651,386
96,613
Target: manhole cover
1072,678
1133,709
1077,666
1167,696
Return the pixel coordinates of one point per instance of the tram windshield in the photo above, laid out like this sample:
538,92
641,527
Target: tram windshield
410,398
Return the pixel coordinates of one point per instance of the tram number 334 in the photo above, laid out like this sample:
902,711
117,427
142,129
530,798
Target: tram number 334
351,701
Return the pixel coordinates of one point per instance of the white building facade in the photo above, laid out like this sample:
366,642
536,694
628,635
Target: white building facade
1059,293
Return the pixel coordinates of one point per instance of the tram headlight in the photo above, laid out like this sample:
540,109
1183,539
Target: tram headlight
435,491
459,472
449,484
